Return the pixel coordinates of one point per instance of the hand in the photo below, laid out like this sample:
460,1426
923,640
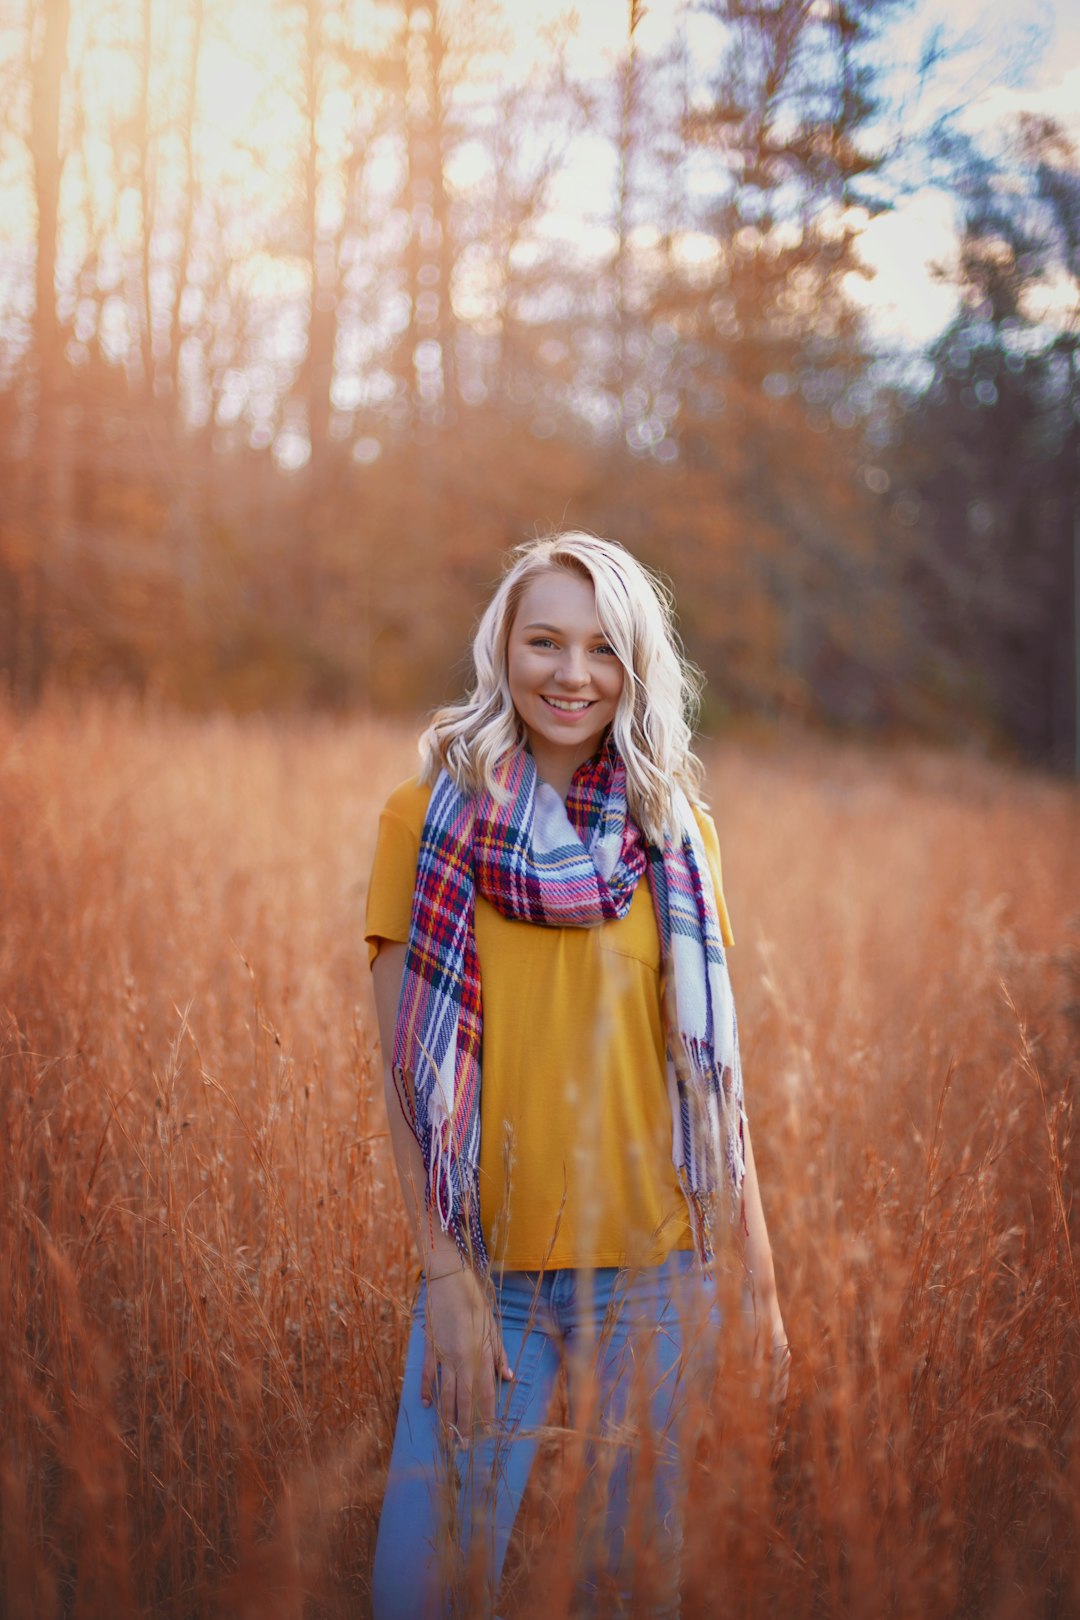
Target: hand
769,1349
778,1351
779,1369
464,1341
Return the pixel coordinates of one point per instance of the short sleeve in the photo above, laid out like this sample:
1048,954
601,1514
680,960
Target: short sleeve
712,854
393,870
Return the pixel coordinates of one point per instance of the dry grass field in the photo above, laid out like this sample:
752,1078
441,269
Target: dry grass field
204,1270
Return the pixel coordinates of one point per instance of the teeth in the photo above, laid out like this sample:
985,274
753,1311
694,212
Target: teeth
565,703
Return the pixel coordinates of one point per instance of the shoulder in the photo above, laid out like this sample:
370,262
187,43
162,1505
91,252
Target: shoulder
393,867
408,804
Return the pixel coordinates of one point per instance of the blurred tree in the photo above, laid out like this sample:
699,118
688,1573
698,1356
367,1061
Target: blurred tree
523,294
990,450
773,359
629,140
47,38
44,480
289,387
144,143
432,51
169,384
323,284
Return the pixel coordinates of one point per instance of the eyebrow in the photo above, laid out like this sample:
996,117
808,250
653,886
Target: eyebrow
598,634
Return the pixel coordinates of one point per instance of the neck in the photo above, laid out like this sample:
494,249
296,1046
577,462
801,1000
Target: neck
556,767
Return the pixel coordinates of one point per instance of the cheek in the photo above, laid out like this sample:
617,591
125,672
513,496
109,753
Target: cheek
615,683
517,673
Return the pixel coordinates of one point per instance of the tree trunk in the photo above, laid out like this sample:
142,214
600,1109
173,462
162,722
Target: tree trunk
321,255
145,321
47,487
187,218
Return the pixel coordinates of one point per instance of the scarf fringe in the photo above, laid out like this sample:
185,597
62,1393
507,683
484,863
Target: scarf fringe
452,1185
455,1195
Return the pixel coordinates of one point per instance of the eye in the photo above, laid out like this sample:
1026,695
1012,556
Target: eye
607,649
541,641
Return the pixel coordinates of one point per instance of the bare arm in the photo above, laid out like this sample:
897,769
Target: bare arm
462,1336
438,1251
759,1263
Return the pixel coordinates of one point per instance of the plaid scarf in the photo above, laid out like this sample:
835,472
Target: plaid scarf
560,865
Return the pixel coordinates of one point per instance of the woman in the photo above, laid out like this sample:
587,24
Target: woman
546,917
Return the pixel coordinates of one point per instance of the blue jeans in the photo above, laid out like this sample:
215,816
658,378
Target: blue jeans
636,1343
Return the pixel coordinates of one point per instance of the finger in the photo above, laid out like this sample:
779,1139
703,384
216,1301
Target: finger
464,1407
503,1368
448,1396
484,1395
427,1374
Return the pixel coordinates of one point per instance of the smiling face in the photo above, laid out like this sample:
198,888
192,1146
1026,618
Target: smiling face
565,677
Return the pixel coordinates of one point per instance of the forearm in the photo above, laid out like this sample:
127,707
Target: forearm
437,1249
758,1251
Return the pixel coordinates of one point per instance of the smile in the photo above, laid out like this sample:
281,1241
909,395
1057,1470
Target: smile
568,705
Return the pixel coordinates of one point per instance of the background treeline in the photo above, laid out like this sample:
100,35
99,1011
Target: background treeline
274,396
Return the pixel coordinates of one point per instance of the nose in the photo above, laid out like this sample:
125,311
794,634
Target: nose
572,670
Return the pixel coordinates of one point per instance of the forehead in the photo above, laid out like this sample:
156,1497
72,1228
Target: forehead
559,597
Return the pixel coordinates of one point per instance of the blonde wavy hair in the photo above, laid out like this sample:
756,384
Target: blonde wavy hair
660,695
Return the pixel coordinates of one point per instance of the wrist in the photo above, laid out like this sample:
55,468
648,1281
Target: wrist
436,1274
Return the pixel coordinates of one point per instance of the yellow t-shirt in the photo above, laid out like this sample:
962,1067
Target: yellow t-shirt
575,1122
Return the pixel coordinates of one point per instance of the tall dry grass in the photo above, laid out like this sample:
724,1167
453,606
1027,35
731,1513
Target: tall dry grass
203,1263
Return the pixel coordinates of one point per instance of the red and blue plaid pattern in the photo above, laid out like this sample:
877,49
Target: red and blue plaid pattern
572,865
